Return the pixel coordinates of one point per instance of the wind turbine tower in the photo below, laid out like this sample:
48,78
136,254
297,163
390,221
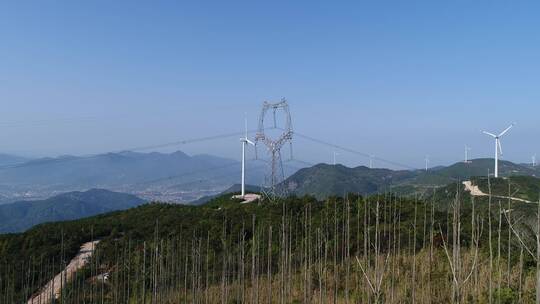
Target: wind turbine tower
335,154
534,160
427,162
498,148
467,149
245,141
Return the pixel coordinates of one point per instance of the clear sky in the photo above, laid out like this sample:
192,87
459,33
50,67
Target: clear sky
397,79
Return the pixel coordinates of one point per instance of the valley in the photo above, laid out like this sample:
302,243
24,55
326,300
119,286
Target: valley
174,177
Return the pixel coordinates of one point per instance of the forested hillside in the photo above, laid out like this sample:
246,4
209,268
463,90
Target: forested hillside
380,248
19,216
325,180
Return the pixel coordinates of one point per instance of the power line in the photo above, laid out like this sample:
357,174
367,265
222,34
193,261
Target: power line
369,156
185,141
305,163
353,151
47,161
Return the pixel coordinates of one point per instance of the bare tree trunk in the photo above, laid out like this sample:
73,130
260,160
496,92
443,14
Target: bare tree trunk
499,268
490,292
253,263
144,274
509,218
520,293
347,252
431,237
414,255
269,270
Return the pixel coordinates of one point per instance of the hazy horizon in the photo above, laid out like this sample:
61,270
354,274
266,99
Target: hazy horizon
398,82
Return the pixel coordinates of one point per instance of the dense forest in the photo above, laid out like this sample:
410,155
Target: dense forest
376,249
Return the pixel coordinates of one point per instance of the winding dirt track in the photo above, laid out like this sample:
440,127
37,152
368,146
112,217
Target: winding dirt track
53,287
475,191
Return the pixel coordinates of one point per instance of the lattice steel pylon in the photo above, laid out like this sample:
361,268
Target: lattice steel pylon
274,145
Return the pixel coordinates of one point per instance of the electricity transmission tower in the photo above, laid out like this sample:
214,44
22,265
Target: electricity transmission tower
274,145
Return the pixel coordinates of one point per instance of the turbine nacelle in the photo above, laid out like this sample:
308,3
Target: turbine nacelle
247,141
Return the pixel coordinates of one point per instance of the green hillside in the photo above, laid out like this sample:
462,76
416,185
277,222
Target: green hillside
227,251
481,167
324,180
217,225
523,187
22,215
520,187
477,167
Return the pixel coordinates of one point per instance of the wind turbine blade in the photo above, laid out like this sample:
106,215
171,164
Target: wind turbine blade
245,125
500,147
249,142
507,129
490,134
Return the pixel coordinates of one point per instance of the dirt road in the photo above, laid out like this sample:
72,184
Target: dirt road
53,287
475,191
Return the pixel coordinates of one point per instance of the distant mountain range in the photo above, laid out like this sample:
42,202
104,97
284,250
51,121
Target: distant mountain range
169,174
178,177
8,159
174,177
113,169
19,216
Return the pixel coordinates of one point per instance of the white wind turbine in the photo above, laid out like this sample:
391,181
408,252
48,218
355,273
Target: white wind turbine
498,148
467,149
335,154
245,140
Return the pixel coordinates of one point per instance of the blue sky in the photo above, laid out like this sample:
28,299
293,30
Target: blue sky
397,79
